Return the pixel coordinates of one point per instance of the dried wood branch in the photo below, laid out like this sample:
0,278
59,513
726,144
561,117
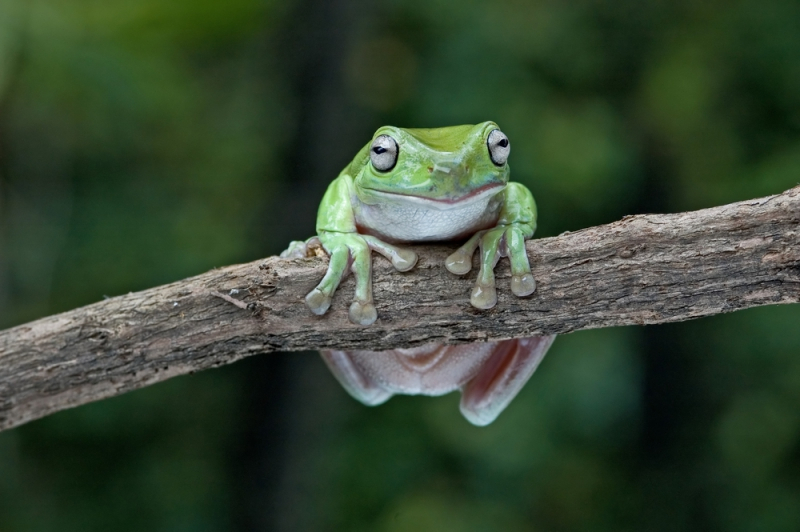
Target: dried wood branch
640,270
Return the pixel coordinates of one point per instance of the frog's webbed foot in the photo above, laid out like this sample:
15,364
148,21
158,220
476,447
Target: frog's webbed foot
501,241
489,375
501,378
351,252
354,379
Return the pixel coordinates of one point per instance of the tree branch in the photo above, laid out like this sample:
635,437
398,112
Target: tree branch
640,270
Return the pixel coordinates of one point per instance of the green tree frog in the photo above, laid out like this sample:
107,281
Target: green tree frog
422,185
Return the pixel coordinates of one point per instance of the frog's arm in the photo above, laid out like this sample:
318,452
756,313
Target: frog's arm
336,209
516,224
349,251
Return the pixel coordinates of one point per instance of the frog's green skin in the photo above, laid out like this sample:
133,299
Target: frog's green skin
444,186
438,184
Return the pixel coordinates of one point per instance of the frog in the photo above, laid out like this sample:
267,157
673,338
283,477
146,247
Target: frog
428,185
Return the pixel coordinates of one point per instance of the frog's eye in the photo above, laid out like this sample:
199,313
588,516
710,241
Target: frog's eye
383,153
499,147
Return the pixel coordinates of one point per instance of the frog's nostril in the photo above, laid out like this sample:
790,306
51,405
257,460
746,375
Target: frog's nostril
443,169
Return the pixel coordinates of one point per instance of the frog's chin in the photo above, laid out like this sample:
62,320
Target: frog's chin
474,196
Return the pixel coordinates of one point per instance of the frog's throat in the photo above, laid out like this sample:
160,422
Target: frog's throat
479,194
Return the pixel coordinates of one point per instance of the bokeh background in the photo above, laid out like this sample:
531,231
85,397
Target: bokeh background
143,141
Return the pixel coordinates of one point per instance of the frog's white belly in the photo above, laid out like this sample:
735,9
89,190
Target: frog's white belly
418,221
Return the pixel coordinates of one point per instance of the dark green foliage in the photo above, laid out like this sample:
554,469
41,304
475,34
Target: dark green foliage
144,141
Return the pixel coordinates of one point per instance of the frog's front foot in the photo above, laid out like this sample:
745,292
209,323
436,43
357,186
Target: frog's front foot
351,252
502,241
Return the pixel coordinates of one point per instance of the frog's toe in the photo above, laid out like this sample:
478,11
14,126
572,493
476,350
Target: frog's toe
484,296
318,301
523,285
404,260
459,262
363,312
522,281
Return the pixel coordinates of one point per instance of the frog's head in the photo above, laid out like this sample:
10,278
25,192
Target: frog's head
440,168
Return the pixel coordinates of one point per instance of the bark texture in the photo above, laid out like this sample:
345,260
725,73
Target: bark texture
640,270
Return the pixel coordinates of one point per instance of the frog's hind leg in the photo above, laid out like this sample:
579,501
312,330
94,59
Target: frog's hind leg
502,377
354,379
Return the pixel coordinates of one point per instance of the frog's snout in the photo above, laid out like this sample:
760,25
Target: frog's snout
455,180
450,171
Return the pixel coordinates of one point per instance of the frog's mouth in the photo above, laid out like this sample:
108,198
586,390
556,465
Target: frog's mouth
479,194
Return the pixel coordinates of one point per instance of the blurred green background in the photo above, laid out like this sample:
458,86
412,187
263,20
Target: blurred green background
143,141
